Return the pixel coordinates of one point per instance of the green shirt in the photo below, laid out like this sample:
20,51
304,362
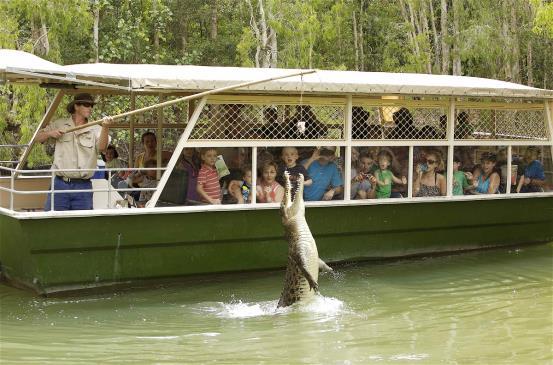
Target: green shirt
460,183
383,191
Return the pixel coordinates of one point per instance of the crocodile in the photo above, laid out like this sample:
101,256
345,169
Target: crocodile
302,270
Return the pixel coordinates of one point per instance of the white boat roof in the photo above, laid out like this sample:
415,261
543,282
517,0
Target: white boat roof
22,67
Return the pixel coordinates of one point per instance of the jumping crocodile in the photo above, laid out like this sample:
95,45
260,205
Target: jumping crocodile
302,271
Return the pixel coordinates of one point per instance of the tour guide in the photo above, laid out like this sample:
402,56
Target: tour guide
75,150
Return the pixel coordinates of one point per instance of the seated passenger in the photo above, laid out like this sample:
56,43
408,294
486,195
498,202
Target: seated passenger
241,189
190,162
363,181
208,187
290,159
404,125
268,190
145,179
463,129
304,124
111,158
327,180
149,141
533,179
428,182
385,177
461,180
488,181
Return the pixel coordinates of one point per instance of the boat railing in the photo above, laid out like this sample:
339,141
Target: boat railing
15,175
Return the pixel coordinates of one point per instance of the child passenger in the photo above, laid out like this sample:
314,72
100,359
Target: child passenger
460,179
268,190
290,158
208,187
384,177
363,183
241,189
146,179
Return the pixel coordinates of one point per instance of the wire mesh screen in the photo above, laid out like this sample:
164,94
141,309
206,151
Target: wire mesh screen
394,122
500,124
258,121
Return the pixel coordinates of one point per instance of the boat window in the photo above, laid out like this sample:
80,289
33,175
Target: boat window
322,167
429,171
263,121
473,123
398,122
379,172
531,169
484,169
210,175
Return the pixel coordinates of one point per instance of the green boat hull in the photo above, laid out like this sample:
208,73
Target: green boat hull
68,253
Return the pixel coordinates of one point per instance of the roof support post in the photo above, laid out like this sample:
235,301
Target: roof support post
253,192
450,148
347,160
178,151
509,172
159,135
131,132
549,122
45,120
410,174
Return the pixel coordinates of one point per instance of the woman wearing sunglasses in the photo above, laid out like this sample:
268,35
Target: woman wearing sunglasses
428,182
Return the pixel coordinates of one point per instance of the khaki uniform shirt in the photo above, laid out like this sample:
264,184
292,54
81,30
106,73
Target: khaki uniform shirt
75,150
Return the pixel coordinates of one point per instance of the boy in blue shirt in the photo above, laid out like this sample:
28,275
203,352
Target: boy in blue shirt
327,180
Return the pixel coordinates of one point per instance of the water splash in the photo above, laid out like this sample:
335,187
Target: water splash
239,309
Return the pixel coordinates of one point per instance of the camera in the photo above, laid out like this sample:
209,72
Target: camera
423,167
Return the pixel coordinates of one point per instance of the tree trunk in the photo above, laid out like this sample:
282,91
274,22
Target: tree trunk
426,32
213,29
266,46
360,33
507,42
355,41
408,18
515,65
445,45
274,48
437,49
96,8
456,39
156,32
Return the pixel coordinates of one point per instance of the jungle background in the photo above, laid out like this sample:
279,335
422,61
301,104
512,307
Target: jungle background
510,40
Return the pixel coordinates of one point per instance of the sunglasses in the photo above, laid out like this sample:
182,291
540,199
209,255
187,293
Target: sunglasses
431,162
86,105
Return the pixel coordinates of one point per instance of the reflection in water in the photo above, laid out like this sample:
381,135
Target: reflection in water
483,307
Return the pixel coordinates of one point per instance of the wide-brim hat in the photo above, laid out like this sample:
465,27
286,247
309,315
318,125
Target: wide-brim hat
80,98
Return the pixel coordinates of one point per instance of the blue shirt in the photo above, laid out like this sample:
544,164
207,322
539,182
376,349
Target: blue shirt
323,176
534,170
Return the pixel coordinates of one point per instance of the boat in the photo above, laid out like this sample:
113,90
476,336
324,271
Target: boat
348,112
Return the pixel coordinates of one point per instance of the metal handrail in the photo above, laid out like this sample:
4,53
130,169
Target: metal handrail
51,173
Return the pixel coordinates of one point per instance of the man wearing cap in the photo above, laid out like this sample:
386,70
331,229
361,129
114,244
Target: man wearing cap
75,150
327,180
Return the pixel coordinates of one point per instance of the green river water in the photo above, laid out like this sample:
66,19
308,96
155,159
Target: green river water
486,307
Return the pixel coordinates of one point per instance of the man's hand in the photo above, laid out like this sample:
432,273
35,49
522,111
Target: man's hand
56,133
107,122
